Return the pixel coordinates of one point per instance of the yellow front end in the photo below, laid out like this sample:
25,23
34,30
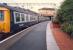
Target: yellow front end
4,20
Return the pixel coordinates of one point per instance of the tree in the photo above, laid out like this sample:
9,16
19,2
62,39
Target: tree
65,16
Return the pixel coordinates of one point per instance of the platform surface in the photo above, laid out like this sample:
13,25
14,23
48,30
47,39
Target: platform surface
34,40
39,38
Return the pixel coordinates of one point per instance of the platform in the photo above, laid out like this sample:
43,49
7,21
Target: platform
39,38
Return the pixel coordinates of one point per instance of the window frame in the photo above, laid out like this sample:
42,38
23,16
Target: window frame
32,16
15,18
21,17
27,18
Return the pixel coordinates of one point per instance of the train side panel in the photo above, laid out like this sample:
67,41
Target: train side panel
7,21
16,26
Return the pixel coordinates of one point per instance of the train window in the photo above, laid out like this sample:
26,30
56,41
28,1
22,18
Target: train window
26,17
1,15
17,15
22,17
29,17
32,18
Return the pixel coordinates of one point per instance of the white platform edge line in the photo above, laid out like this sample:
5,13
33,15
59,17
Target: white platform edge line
13,35
18,33
47,42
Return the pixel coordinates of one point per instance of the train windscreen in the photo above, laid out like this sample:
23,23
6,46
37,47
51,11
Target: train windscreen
1,15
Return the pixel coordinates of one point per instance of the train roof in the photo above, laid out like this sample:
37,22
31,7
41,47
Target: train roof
13,8
18,9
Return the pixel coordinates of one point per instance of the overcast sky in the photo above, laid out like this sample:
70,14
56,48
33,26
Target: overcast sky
32,1
35,7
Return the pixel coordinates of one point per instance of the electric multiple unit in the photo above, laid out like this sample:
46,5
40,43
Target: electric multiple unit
15,18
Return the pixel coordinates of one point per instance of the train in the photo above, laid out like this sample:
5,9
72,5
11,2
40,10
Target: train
15,18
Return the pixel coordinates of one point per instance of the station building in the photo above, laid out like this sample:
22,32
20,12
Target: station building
47,12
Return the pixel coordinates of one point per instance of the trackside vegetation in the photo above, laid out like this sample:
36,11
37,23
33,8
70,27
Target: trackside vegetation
65,17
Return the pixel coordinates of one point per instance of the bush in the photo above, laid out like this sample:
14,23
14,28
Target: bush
65,16
55,21
68,28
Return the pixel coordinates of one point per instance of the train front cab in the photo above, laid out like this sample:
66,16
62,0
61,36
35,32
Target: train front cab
4,20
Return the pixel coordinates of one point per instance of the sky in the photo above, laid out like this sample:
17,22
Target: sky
36,6
31,1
